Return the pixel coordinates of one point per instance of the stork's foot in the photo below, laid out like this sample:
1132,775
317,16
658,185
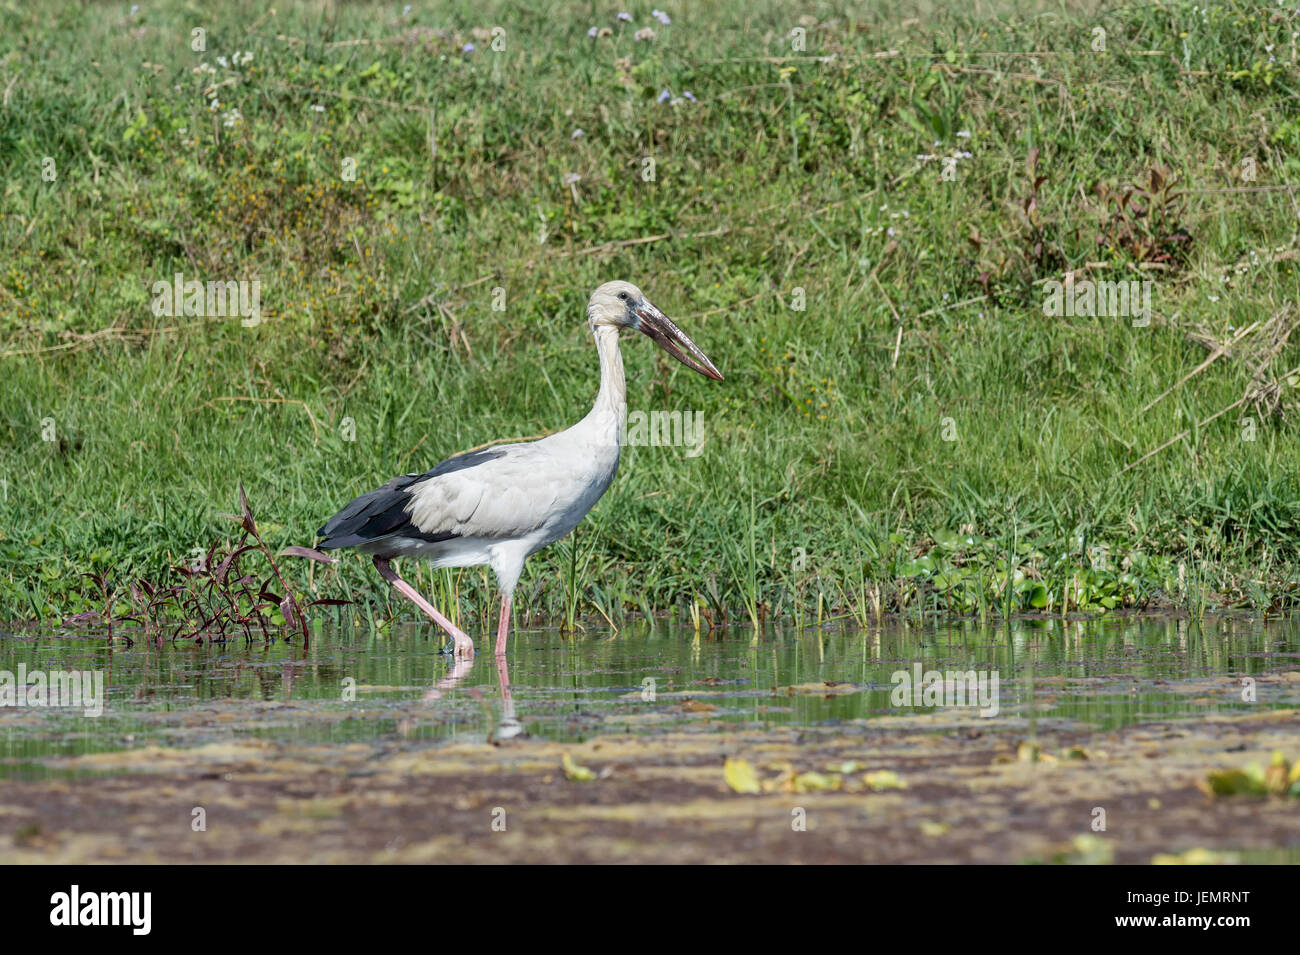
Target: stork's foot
459,647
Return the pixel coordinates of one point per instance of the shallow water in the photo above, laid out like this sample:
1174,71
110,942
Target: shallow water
350,687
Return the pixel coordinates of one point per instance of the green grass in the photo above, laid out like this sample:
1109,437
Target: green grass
826,481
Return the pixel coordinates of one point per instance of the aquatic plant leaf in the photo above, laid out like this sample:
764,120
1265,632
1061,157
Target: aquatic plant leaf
246,511
309,553
234,555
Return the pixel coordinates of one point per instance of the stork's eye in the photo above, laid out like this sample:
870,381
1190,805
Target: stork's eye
623,296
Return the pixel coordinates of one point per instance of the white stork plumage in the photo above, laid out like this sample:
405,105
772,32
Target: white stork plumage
500,505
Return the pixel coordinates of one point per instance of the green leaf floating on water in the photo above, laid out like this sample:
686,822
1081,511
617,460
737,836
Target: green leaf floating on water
1255,780
1231,782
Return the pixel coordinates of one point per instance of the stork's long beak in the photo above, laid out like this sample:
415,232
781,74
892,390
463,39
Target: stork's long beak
673,340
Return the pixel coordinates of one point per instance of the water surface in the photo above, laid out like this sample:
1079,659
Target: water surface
351,686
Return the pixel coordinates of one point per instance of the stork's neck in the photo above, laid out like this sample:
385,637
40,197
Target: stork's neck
611,402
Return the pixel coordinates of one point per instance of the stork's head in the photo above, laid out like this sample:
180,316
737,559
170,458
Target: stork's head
622,305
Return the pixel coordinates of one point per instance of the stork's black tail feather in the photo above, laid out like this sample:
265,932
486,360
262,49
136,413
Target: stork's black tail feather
379,513
383,512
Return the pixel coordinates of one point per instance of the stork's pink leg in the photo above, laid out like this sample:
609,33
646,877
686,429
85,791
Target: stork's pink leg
503,627
464,645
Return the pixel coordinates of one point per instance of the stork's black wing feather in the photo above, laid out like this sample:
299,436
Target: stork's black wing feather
383,511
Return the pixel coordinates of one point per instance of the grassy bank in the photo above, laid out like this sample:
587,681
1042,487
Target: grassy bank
919,437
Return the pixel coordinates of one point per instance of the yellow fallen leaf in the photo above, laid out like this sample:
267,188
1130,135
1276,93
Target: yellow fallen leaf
1028,752
815,782
931,828
695,706
575,773
1195,857
1275,777
853,766
1089,849
741,776
884,779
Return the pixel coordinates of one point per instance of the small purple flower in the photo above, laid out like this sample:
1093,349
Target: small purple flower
687,94
625,17
664,96
661,17
577,134
592,32
467,48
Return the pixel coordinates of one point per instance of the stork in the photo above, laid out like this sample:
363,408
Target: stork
502,504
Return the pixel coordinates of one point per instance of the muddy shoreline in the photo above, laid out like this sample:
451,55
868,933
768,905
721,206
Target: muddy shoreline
970,796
